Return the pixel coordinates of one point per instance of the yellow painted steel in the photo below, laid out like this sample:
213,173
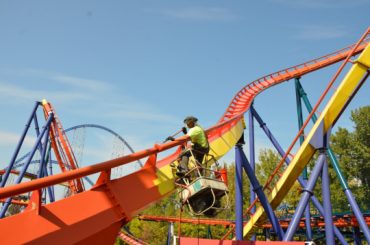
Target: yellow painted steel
221,145
306,151
218,148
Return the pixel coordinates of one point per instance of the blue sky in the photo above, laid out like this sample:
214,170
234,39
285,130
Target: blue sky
140,67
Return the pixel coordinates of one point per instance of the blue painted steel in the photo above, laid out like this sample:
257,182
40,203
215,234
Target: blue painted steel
20,142
357,212
209,232
299,108
49,188
251,155
21,174
307,193
252,162
257,188
301,181
169,234
356,236
328,214
320,208
37,128
43,154
48,160
238,193
342,179
106,129
51,172
43,172
301,139
307,222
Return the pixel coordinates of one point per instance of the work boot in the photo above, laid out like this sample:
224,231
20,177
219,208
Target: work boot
181,171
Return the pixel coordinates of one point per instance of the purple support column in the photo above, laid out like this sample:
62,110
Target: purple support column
238,193
307,215
252,162
261,195
328,215
43,162
51,173
342,180
24,169
307,193
356,236
14,157
301,181
356,210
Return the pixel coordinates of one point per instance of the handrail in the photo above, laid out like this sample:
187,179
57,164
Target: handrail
241,98
282,75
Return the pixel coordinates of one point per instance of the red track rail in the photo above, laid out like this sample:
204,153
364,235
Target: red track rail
242,100
343,221
62,148
130,239
108,205
239,105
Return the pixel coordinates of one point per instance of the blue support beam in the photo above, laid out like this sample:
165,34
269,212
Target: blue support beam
352,201
24,169
19,145
328,214
307,193
252,162
257,188
238,194
301,181
307,213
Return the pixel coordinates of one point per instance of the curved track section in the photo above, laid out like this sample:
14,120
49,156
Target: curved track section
346,90
96,215
105,129
123,145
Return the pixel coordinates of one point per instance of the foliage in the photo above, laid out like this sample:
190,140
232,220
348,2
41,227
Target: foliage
352,150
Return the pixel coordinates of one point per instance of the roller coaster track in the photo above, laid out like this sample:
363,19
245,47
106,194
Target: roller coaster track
342,221
96,215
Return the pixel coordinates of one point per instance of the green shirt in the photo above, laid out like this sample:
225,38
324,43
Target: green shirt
198,136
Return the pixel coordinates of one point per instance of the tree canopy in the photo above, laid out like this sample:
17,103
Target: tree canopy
351,147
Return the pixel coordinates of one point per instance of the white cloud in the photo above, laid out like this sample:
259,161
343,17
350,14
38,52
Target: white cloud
320,32
8,138
84,84
51,85
200,13
71,82
123,108
98,101
16,93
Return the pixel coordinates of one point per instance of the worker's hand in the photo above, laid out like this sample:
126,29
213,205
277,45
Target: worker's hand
184,130
170,138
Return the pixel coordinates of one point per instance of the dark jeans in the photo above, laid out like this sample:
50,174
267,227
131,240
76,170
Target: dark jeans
198,153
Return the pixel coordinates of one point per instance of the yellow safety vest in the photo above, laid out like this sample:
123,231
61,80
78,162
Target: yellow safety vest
198,136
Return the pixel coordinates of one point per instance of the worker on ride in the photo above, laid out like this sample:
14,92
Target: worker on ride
199,144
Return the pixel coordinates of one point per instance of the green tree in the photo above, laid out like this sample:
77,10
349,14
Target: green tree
352,150
268,161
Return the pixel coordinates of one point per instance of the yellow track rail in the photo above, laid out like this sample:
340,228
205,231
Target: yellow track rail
325,122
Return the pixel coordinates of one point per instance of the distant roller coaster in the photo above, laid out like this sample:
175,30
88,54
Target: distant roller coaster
96,215
105,129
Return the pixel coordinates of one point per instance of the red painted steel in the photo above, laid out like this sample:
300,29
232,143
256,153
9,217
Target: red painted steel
62,148
96,215
130,239
342,221
200,241
352,50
